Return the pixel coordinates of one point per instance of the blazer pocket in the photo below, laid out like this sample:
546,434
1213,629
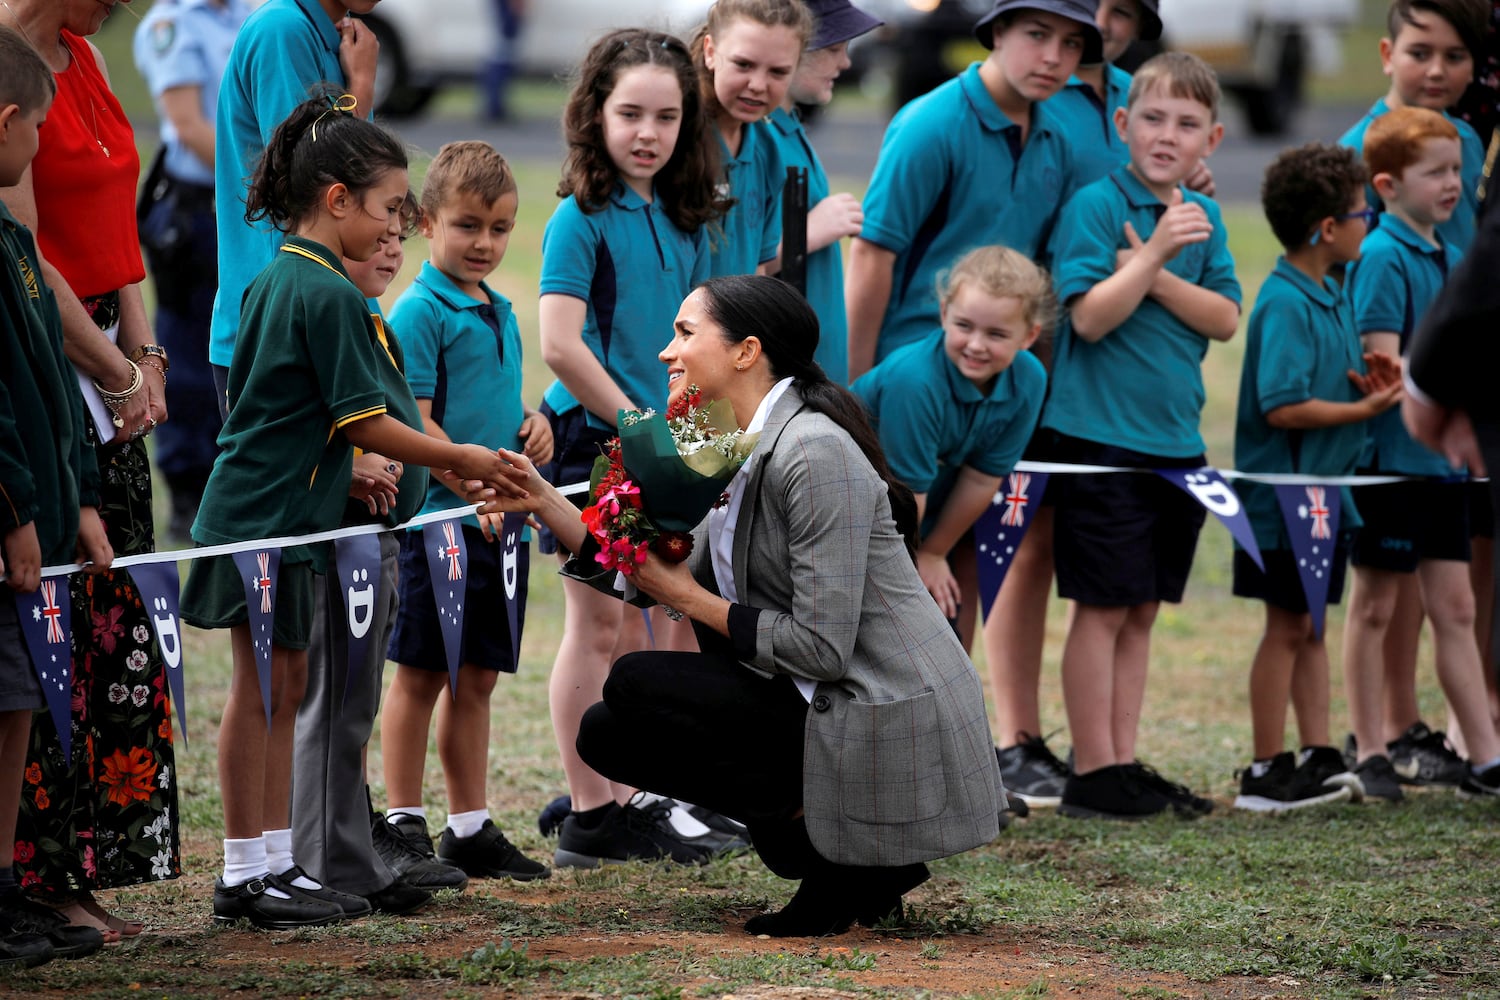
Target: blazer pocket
891,760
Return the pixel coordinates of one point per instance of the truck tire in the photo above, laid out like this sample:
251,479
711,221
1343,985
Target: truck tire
396,94
1269,109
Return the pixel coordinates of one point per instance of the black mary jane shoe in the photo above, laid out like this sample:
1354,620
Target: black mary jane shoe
250,901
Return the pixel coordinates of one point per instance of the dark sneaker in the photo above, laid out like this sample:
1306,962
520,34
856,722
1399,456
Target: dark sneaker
399,897
26,949
1326,767
550,819
627,833
1422,756
1477,785
1031,772
353,906
1186,804
730,834
1351,752
1377,780
251,902
1113,792
1279,785
487,854
25,920
400,844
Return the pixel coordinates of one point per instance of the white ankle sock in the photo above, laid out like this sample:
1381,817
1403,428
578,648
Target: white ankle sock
418,811
279,858
245,860
1481,768
466,824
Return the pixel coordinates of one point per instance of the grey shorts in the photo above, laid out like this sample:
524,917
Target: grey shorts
19,688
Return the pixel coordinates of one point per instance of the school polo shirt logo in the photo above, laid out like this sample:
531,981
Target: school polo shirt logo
28,278
163,33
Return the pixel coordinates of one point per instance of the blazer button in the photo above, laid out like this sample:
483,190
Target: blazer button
821,703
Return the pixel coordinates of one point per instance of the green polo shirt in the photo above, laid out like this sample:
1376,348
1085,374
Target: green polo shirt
307,362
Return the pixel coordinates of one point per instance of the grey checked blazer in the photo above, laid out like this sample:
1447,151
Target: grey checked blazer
899,765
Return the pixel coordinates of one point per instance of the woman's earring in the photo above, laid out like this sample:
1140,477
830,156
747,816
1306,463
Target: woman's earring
739,368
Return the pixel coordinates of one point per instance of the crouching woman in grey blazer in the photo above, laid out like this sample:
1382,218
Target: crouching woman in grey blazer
831,708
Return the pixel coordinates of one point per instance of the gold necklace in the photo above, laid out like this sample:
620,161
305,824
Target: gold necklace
19,26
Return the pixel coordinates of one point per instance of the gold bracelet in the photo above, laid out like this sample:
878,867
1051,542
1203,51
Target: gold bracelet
116,398
152,351
153,362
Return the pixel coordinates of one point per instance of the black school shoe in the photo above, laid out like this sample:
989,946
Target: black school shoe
352,906
404,846
487,854
23,921
26,949
1184,802
627,833
1113,792
399,897
251,902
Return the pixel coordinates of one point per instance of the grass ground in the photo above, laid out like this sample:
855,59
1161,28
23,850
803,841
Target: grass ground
1347,902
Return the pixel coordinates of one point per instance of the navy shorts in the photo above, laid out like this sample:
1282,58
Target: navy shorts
19,688
1280,585
417,639
1122,538
575,445
1481,510
1045,446
1405,523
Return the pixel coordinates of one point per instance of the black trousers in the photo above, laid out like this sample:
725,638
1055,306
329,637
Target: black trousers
703,729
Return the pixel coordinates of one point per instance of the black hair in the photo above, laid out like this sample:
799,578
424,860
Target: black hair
319,144
1306,185
748,305
25,80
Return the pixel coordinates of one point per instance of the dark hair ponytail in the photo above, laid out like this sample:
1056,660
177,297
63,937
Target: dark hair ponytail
747,305
319,144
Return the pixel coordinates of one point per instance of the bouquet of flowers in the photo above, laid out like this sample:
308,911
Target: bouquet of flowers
660,477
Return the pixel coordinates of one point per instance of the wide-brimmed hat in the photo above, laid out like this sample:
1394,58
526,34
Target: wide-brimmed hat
1150,21
1081,11
838,21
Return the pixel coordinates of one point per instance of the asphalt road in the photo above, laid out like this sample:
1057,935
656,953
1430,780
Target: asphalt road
848,144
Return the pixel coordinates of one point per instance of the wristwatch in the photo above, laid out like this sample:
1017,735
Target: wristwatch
152,351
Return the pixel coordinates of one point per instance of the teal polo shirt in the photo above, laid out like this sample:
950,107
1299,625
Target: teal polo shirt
952,175
1089,123
1301,344
284,48
1141,386
633,267
465,356
750,234
825,267
1396,278
1459,229
932,420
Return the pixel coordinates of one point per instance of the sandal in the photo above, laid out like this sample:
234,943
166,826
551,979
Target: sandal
74,912
124,927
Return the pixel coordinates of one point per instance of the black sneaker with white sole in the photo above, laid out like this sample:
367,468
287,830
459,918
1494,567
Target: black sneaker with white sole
626,833
1114,792
1279,785
1031,772
1480,784
1184,802
1422,756
1377,780
1326,767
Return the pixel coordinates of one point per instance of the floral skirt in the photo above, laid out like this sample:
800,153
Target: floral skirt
108,818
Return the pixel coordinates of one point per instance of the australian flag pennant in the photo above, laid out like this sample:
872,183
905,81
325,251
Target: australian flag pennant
159,587
46,624
999,530
511,568
258,569
1311,514
357,561
1206,486
448,560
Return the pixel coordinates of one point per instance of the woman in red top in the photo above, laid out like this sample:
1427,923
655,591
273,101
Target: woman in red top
112,810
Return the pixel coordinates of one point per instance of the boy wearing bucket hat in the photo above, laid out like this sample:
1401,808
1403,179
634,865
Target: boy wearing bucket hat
977,161
830,217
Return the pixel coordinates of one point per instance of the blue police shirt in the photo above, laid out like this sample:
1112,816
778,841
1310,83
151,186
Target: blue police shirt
825,267
932,420
1089,123
1460,227
750,234
465,356
1395,279
186,43
633,267
952,175
284,48
1300,346
1141,386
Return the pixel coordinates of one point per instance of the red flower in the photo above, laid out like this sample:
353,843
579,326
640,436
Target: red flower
29,879
107,628
25,851
43,800
129,778
34,773
673,546
164,731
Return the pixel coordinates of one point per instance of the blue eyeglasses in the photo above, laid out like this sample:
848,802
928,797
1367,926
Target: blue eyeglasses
1369,215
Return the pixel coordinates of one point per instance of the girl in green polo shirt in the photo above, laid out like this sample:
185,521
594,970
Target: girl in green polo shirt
304,391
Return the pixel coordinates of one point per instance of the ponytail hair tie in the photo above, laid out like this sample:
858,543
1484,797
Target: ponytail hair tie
344,104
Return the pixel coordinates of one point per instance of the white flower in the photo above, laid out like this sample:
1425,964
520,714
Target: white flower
141,633
161,864
139,694
118,693
137,659
164,777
